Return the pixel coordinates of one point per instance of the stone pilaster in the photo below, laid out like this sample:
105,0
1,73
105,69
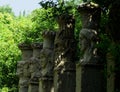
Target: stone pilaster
23,67
35,68
64,70
46,61
91,68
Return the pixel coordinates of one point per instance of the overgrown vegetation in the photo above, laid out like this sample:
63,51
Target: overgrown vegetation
28,29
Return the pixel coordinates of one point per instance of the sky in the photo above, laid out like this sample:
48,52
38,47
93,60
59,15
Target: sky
21,5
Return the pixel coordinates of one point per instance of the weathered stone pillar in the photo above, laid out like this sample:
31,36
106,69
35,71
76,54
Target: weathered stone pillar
110,72
91,67
46,61
64,70
23,67
35,68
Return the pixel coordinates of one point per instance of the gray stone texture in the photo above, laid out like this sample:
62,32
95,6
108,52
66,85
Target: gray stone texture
35,68
64,70
47,63
90,67
23,67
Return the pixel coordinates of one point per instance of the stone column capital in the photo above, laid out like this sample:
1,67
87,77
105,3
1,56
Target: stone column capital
24,46
90,15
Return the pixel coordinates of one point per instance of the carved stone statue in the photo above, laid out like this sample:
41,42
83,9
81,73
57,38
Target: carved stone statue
64,40
23,80
35,68
64,48
46,58
90,16
35,74
91,79
46,62
24,75
23,67
88,42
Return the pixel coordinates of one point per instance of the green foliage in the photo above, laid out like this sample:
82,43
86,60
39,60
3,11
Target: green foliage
6,9
23,29
13,30
42,21
57,8
9,54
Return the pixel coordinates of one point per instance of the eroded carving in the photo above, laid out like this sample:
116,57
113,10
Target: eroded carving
90,14
35,69
23,67
64,41
35,66
88,42
46,62
46,54
64,70
23,74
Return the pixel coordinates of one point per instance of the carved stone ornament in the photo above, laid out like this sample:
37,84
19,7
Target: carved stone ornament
46,54
35,69
23,67
64,41
88,42
46,62
34,66
64,48
90,15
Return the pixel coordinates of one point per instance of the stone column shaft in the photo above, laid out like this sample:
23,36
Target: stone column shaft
35,68
22,67
47,65
91,67
64,70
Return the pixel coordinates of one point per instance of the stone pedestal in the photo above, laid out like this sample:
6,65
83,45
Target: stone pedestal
64,70
35,68
33,86
46,61
78,77
23,67
110,73
46,84
92,78
91,67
